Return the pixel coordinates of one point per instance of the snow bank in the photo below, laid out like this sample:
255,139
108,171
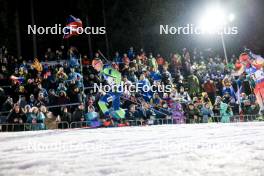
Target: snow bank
202,149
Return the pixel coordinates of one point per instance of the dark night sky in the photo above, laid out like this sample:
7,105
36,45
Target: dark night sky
130,23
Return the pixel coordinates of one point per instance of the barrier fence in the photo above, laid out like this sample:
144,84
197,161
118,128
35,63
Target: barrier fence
32,127
87,124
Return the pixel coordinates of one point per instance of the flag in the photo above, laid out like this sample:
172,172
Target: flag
72,26
258,61
257,57
16,79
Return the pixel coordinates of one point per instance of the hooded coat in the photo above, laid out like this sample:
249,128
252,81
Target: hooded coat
225,112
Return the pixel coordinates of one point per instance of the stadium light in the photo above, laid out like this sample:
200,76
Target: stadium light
214,19
231,17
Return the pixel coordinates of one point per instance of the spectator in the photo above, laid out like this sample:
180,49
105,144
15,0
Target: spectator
61,88
86,61
78,114
210,89
132,113
131,53
125,60
8,104
73,58
184,96
193,114
193,85
152,62
156,101
177,112
97,63
61,75
225,111
66,115
29,114
160,62
16,115
207,113
117,58
50,120
49,55
62,98
41,100
205,99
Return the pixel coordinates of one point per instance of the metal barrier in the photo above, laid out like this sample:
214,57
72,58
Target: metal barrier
63,105
235,118
63,125
244,118
30,127
80,124
22,127
152,121
214,119
160,121
135,122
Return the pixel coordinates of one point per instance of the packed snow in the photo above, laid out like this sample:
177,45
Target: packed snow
194,149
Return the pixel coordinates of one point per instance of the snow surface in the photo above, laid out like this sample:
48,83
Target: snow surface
196,149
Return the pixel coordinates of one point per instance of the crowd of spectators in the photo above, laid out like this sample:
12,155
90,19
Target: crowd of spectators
59,87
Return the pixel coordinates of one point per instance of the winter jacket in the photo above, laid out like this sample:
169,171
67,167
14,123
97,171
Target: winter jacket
193,115
14,117
50,121
77,115
206,113
225,112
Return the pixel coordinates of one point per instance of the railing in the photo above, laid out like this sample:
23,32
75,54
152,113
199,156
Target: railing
31,127
63,125
244,118
87,124
80,124
22,127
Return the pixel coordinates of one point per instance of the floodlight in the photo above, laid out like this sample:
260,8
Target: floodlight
231,17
